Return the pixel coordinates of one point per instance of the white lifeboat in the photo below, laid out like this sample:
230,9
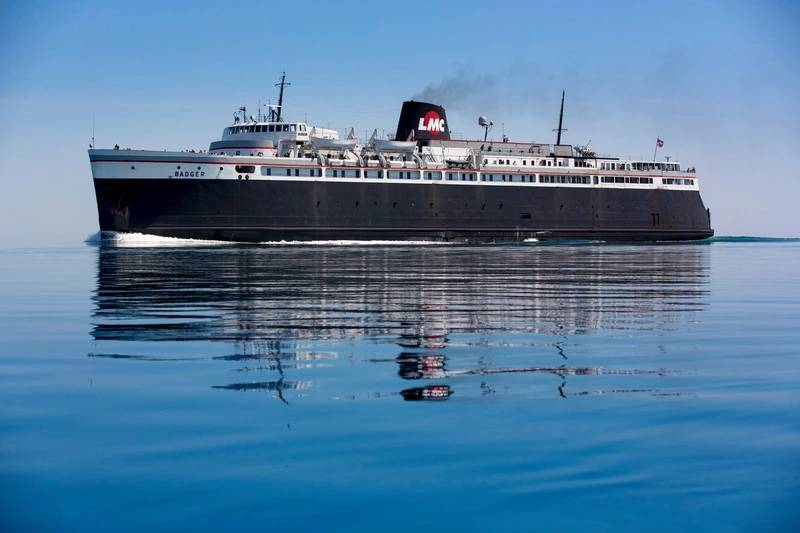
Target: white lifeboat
390,145
328,142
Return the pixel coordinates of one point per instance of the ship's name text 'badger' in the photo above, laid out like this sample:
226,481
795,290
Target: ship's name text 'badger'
189,174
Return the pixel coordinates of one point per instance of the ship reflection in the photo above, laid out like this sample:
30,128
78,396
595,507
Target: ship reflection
285,312
429,393
414,366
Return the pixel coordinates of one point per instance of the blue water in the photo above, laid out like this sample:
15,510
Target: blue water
364,388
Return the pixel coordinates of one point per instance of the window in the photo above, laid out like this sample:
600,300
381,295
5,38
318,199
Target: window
266,171
292,127
271,127
297,172
288,171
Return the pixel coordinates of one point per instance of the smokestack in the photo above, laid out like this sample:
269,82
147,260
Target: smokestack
427,122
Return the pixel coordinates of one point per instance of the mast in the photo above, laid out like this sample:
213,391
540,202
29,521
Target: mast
560,119
283,83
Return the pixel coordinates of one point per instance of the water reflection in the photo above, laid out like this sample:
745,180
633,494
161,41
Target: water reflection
291,310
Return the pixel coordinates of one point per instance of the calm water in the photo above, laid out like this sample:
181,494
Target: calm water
520,388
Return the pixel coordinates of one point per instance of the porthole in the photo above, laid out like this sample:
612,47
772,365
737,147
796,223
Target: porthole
179,167
133,167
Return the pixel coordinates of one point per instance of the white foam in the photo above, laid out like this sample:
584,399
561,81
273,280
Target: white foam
144,240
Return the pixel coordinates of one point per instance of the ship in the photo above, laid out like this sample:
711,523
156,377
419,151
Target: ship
268,179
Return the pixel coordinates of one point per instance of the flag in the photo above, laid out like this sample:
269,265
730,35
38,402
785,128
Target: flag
659,143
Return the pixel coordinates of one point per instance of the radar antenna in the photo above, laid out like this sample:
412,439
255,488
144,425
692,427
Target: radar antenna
486,124
283,83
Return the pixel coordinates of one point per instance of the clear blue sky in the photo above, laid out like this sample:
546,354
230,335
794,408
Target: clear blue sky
719,82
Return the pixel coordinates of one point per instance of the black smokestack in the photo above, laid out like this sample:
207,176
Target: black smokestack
427,122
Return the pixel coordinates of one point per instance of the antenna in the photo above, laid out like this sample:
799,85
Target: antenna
92,130
560,121
283,83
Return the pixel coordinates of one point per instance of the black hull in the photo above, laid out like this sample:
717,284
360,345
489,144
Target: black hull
267,210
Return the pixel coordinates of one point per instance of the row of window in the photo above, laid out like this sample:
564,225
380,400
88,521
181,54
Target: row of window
542,163
459,176
575,180
655,166
606,165
626,179
530,178
264,128
298,172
